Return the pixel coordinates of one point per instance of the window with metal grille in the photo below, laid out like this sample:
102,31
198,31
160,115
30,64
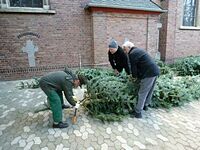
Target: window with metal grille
17,4
26,3
190,13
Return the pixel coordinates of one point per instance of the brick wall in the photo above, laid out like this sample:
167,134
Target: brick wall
141,29
63,38
70,35
174,41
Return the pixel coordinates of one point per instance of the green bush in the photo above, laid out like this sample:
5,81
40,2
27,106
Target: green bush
175,91
164,69
187,66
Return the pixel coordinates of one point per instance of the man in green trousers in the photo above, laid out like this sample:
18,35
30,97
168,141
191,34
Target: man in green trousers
53,84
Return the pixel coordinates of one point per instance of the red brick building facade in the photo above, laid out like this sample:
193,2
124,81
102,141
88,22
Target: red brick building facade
179,39
70,33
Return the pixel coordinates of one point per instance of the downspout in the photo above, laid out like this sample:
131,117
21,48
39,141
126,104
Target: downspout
147,33
80,61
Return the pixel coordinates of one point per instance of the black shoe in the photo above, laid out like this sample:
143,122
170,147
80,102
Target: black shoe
145,108
60,125
65,106
136,115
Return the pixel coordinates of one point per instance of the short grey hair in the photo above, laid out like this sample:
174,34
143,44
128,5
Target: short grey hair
128,44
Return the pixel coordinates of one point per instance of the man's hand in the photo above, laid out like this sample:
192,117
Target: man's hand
130,77
116,72
77,105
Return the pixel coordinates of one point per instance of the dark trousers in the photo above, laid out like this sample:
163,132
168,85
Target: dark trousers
145,93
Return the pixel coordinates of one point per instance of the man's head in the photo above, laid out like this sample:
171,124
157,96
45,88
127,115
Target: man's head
113,46
80,80
127,46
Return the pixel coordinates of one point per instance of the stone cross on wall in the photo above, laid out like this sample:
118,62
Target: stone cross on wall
30,49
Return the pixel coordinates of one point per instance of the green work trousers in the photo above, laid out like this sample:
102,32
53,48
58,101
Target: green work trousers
55,101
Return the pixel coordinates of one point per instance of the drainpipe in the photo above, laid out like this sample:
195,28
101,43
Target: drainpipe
80,61
159,26
147,33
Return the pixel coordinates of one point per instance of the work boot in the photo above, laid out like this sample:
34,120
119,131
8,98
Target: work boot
145,108
60,125
65,106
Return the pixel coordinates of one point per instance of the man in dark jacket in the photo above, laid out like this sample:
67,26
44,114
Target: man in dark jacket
53,84
146,70
117,58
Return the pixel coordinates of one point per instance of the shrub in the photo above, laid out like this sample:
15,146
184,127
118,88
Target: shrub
187,66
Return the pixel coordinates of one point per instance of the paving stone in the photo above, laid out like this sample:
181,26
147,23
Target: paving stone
85,120
121,139
22,143
192,144
82,129
87,143
140,145
77,133
90,148
59,147
136,132
117,145
126,147
153,142
162,137
130,126
37,140
120,129
85,135
73,145
16,140
156,127
51,146
26,129
30,138
128,130
57,133
180,147
35,147
65,135
87,125
185,143
108,130
51,138
113,137
95,145
29,145
45,124
90,131
104,146
100,139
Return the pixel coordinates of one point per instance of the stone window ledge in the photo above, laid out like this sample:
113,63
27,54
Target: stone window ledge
27,10
189,28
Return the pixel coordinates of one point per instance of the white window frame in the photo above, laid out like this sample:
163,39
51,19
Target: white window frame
197,18
5,7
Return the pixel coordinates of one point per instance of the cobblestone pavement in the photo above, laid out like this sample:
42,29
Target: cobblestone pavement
21,128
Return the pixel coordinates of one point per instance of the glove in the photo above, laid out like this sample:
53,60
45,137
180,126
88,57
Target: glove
77,105
75,98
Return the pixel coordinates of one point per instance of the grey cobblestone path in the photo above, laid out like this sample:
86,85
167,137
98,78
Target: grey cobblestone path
22,129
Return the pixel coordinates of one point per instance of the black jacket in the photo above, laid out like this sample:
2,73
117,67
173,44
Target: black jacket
142,65
119,60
